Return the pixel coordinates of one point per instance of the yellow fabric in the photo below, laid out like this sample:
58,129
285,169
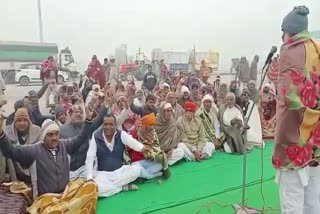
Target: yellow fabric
313,56
19,188
309,119
149,120
79,197
313,65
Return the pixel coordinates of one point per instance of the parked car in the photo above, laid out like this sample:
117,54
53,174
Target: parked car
30,73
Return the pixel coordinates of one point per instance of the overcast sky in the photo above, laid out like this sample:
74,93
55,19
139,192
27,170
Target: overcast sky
234,27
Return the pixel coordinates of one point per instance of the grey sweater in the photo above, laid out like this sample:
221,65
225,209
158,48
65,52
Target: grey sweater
71,130
52,176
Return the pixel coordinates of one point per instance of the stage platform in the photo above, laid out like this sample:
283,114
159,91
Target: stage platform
193,185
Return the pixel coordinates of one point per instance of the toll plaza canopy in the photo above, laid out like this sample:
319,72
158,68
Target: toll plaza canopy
26,51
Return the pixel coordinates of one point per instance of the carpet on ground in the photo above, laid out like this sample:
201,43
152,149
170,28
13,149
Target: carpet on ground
195,184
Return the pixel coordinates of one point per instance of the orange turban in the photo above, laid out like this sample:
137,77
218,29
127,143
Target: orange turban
149,120
190,105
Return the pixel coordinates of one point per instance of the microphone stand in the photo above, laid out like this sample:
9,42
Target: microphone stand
242,209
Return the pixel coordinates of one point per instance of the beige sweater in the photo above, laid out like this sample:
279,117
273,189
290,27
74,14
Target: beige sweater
192,133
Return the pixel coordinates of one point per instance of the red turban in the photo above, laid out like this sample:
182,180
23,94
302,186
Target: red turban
149,120
190,105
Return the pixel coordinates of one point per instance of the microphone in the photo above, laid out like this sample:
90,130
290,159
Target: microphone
269,58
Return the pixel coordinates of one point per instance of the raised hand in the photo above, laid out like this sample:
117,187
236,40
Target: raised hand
2,118
89,112
108,97
126,103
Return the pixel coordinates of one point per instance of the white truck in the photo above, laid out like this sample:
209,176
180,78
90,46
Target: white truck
176,60
17,56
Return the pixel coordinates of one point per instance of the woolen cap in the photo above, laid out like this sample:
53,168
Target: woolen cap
47,127
21,113
32,93
296,21
18,104
59,109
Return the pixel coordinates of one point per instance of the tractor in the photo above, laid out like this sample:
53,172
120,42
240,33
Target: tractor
136,69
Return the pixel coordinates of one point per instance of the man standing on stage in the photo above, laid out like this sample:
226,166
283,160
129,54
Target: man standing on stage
297,142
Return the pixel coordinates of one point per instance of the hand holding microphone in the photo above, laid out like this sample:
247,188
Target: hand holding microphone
269,58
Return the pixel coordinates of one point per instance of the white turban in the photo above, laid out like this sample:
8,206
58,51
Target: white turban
231,94
95,86
268,85
185,89
207,97
47,127
166,106
165,85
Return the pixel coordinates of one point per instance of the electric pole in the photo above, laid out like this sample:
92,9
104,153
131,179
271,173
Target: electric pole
40,21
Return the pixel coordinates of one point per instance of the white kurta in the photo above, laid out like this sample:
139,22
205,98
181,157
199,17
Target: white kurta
254,134
110,183
207,151
299,190
230,114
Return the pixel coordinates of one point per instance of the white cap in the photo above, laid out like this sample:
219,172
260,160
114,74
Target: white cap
166,106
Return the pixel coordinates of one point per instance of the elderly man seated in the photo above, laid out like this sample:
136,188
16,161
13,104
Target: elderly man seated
254,134
231,123
196,145
177,108
168,133
208,114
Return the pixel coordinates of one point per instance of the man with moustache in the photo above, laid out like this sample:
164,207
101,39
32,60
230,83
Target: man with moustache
50,155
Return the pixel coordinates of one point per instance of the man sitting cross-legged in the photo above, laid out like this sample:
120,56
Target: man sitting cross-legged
196,145
155,160
107,147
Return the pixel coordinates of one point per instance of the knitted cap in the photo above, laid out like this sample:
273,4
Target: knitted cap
296,21
47,127
59,109
18,104
32,93
21,113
